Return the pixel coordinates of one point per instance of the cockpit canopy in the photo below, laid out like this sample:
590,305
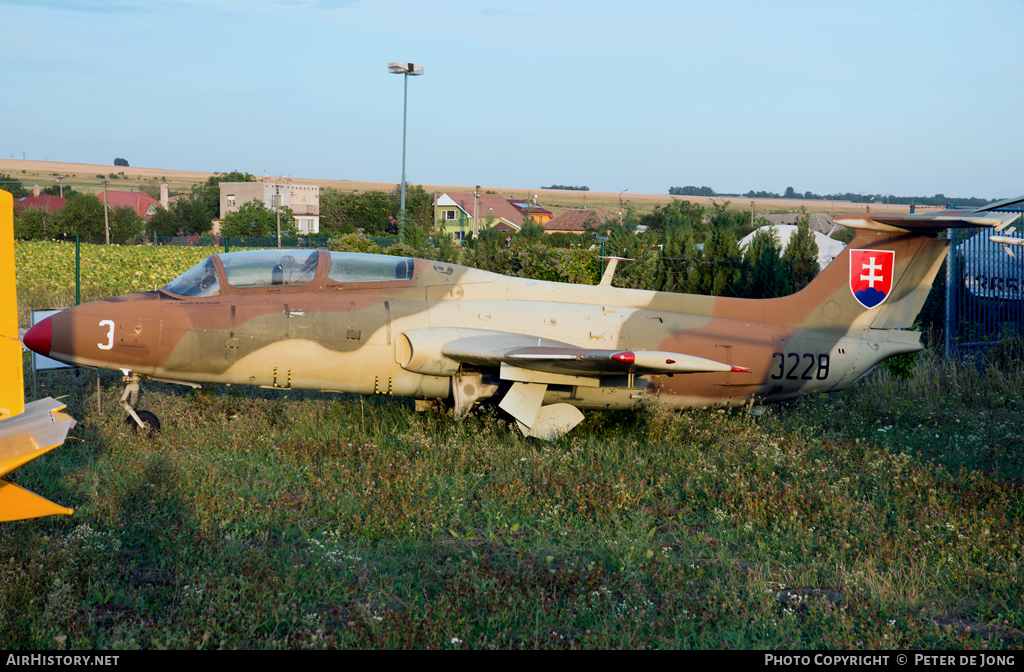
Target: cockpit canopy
269,268
357,267
284,268
200,280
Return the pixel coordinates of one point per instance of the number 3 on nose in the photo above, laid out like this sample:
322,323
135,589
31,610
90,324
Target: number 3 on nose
110,335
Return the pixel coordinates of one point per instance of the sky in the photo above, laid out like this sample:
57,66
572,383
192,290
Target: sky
914,97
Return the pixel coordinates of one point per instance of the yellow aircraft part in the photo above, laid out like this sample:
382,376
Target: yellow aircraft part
23,438
26,430
20,504
12,384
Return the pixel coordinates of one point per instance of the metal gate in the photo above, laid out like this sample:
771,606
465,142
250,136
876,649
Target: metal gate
984,291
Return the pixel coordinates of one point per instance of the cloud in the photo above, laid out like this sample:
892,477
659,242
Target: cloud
335,4
502,13
88,6
317,4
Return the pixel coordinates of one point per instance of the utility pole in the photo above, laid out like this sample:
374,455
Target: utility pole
106,210
476,209
277,206
60,181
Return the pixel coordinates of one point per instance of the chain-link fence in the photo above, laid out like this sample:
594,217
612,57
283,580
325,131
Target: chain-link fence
984,293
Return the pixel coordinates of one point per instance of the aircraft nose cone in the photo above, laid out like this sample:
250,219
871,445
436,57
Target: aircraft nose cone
37,339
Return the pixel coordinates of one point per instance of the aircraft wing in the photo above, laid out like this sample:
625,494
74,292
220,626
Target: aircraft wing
539,354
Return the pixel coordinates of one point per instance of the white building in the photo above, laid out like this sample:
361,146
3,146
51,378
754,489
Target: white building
303,199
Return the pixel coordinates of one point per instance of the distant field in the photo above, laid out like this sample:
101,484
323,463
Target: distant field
84,178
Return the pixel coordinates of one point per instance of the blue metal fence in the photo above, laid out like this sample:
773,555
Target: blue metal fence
984,292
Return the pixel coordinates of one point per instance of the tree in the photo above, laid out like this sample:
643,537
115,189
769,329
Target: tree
801,256
721,268
81,216
415,237
447,250
691,191
14,186
256,220
530,233
487,251
125,224
332,213
33,224
121,162
188,215
419,205
683,212
678,259
55,190
767,275
342,213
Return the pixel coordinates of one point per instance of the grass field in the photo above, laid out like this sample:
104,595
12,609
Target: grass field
886,516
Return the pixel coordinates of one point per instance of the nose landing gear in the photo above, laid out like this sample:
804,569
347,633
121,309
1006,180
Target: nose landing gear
145,421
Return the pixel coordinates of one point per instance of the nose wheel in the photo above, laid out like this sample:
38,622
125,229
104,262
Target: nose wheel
150,424
145,421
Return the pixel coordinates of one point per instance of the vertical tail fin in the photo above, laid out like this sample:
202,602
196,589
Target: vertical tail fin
881,280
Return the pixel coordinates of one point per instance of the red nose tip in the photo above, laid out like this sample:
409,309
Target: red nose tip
37,339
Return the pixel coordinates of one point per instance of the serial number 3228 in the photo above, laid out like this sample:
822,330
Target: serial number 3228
795,362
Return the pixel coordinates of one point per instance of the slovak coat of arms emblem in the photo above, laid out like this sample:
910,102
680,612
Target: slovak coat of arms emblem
871,275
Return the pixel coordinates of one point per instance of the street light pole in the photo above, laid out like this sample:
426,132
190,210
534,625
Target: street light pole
405,69
106,211
277,206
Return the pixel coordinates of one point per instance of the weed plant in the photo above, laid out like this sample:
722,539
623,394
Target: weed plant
886,516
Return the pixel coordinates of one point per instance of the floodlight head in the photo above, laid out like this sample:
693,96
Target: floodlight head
406,68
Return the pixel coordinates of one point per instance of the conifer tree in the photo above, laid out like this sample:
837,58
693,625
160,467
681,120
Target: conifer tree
721,264
801,256
677,261
767,275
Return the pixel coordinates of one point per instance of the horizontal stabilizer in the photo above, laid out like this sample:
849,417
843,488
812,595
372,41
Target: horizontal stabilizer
17,503
23,438
924,222
928,222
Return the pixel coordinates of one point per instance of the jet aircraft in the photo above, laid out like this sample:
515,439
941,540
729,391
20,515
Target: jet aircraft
544,351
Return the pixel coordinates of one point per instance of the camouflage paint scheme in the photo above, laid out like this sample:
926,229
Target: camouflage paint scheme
544,350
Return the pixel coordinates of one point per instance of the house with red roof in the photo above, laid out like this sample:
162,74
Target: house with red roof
466,214
144,205
577,220
529,208
47,202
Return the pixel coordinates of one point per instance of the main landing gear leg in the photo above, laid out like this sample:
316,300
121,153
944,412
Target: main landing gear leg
144,420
